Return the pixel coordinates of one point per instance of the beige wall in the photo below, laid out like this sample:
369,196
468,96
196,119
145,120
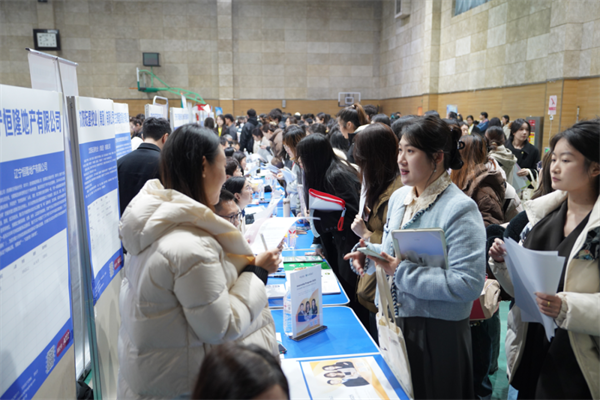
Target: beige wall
308,49
500,43
221,49
305,49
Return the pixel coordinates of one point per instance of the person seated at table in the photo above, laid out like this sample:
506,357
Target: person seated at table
241,158
191,280
232,168
231,371
241,189
325,172
431,304
227,209
567,221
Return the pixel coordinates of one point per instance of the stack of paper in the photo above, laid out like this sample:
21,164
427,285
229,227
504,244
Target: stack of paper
533,271
329,283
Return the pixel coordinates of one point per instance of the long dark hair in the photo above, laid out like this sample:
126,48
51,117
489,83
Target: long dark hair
233,371
292,135
496,137
235,184
545,186
584,137
473,154
432,135
323,170
181,160
515,126
354,114
376,154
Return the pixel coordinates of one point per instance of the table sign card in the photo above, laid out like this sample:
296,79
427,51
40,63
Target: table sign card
303,303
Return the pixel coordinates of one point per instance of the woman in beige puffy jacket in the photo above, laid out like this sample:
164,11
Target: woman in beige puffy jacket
191,280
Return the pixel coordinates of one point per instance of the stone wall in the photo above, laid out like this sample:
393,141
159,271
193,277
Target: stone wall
307,49
500,43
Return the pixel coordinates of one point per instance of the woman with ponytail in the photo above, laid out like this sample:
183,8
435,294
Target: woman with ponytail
349,120
432,304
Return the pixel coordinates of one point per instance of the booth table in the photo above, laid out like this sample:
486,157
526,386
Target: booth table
344,338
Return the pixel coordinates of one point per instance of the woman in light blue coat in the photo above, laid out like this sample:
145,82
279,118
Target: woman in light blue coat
432,304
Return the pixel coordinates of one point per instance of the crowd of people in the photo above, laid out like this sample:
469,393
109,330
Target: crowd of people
194,310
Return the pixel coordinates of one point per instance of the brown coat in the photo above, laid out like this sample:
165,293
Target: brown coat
487,189
377,218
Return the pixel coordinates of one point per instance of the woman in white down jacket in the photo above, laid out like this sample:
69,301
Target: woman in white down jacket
566,221
191,280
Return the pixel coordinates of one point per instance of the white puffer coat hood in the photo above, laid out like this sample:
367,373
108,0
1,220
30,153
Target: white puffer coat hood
183,291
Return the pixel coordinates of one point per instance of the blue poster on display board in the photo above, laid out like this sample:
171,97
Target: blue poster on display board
98,158
121,124
35,297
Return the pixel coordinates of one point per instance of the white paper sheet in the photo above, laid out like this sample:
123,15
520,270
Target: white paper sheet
288,175
329,283
275,291
533,271
274,230
519,182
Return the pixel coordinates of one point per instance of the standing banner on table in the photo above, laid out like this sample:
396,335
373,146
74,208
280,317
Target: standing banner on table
303,303
179,117
156,111
121,125
35,296
95,133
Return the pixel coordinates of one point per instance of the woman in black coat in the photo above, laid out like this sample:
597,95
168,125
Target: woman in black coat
527,154
325,172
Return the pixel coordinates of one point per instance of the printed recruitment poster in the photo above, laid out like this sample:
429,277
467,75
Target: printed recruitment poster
355,378
35,301
96,133
304,305
121,125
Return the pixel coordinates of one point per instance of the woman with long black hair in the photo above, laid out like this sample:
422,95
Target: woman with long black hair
567,221
527,154
325,172
375,153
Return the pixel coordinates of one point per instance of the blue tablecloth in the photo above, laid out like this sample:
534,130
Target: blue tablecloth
344,335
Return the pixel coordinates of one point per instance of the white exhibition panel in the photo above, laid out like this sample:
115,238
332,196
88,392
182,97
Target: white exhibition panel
35,299
179,117
97,154
121,124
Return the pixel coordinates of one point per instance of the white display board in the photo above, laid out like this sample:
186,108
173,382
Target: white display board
98,163
121,125
156,111
179,117
35,297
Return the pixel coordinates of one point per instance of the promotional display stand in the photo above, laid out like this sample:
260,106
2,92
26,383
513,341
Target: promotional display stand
94,155
35,292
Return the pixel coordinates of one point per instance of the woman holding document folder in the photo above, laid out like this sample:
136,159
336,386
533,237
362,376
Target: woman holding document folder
433,304
567,221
